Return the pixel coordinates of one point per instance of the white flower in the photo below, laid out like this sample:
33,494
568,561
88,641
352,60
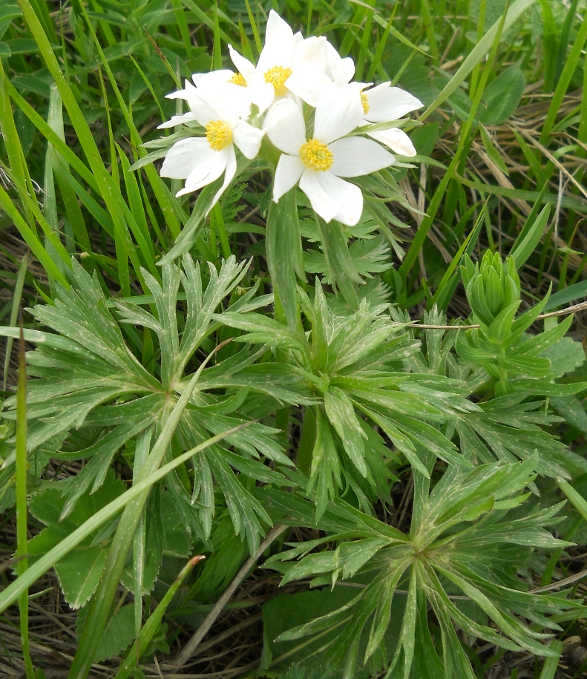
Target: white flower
259,94
320,162
340,70
201,160
214,86
383,104
288,65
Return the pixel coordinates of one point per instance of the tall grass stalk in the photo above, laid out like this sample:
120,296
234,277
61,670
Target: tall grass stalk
22,503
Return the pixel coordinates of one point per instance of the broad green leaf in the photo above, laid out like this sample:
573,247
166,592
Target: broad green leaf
565,355
503,95
79,572
119,634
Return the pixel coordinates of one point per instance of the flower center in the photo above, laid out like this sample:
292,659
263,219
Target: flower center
316,155
238,79
365,102
277,77
218,134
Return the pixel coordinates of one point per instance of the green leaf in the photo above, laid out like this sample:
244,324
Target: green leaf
342,270
284,253
572,410
566,295
492,152
515,11
565,355
194,225
575,498
119,634
79,572
340,412
288,610
523,250
503,95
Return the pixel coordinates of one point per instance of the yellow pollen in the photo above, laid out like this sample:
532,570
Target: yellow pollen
365,102
238,79
277,77
218,134
316,155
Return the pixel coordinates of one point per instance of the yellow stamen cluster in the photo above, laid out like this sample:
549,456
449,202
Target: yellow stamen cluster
218,134
365,102
238,79
316,155
277,77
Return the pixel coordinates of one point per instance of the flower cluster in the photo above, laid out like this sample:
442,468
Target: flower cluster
301,99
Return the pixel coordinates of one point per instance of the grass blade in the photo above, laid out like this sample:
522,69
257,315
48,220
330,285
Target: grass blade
574,497
550,664
478,53
434,206
570,66
16,298
525,248
21,503
31,238
154,621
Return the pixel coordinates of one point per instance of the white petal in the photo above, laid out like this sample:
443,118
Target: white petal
288,172
212,78
397,140
203,111
347,69
230,102
337,114
356,156
309,85
389,103
182,94
310,54
351,206
316,185
185,156
206,173
279,44
177,120
285,127
189,94
277,29
340,70
332,197
228,175
261,94
243,66
247,138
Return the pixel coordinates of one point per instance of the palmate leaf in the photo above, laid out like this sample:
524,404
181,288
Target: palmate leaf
467,532
368,256
510,427
351,366
92,384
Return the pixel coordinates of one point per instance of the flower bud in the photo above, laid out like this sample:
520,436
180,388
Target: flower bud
490,287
